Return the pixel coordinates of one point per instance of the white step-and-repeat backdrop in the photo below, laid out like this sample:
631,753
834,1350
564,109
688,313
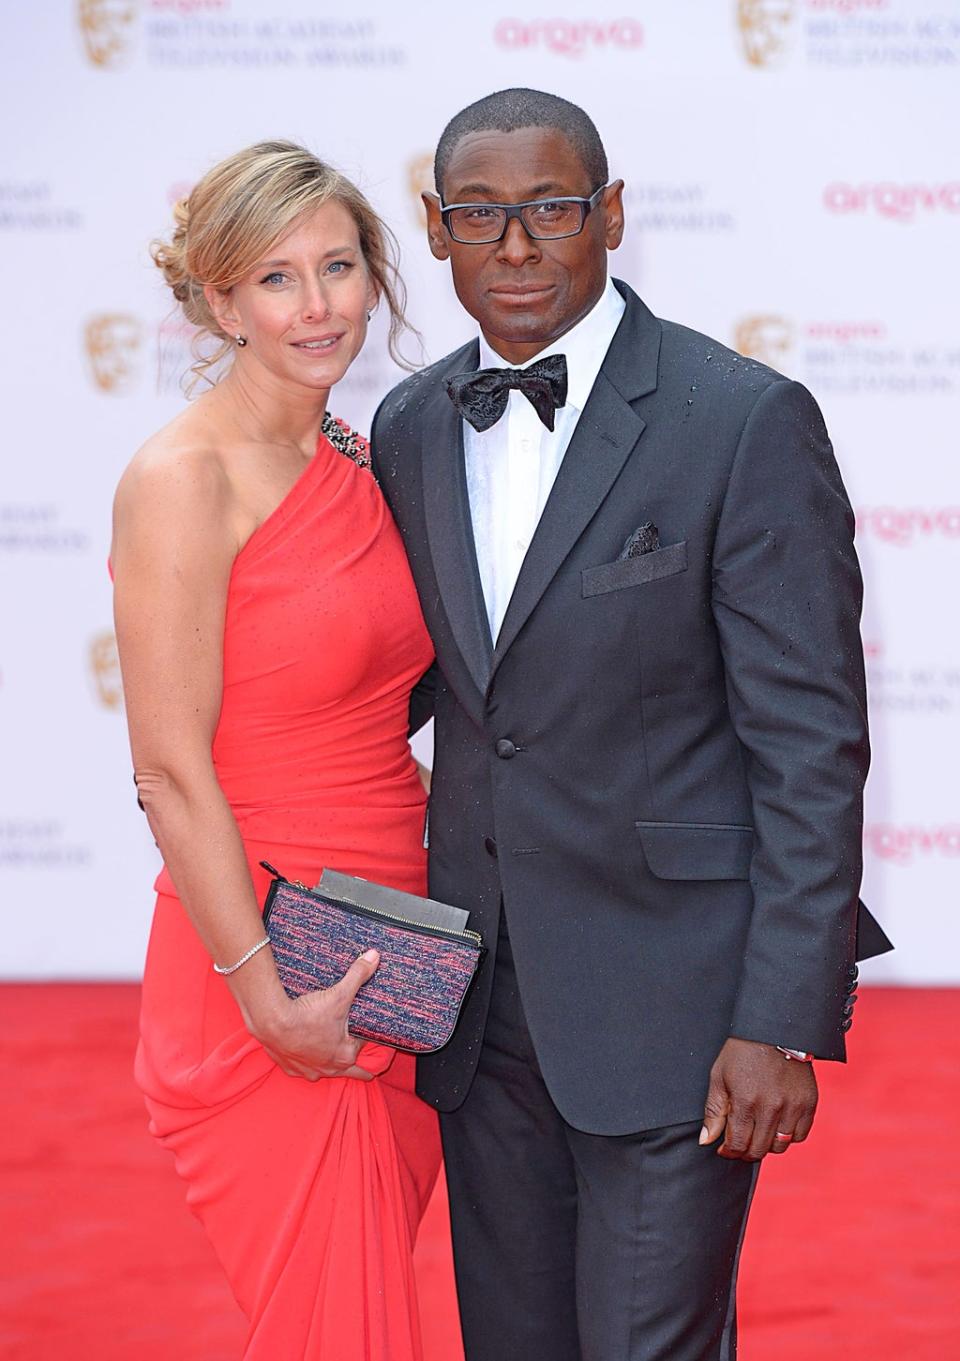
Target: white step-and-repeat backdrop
793,173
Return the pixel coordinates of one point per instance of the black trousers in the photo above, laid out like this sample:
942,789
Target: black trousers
579,1247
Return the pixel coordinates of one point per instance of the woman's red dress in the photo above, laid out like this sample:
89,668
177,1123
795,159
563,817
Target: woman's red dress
310,1192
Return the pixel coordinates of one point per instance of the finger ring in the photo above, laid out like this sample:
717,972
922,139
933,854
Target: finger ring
787,1138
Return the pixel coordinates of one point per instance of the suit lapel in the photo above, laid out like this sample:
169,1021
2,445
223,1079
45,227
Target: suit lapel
605,435
449,527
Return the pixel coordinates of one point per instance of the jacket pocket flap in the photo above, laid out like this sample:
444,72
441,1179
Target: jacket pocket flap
615,576
696,850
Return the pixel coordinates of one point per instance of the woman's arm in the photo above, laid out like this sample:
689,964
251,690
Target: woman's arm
175,540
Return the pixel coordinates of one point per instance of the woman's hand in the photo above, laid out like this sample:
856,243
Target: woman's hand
310,1039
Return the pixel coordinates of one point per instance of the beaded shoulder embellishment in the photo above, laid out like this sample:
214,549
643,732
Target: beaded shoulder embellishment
346,441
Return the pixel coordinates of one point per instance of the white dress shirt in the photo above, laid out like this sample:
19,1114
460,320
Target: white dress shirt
511,468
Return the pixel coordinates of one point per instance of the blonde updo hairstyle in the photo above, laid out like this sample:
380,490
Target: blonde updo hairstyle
237,211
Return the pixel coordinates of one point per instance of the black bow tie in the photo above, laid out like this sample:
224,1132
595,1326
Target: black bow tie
481,396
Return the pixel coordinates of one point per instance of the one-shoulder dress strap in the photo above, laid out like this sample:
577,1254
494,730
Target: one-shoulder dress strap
345,440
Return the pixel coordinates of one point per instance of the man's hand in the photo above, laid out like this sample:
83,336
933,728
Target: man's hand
755,1096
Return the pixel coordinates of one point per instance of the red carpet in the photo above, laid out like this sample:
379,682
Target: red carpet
853,1253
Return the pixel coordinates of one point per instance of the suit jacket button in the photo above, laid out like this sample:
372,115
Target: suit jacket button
490,846
505,749
845,1025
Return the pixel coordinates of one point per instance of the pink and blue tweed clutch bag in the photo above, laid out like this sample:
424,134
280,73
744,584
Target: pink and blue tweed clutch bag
427,963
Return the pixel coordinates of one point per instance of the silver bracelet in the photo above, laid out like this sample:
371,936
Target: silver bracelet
232,968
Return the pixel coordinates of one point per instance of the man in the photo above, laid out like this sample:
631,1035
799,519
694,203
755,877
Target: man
637,567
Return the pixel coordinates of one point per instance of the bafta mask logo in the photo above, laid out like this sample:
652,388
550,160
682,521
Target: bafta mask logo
765,30
105,670
420,179
113,341
106,27
767,338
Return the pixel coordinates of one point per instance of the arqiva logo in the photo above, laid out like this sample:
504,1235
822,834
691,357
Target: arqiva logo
569,37
903,526
901,844
771,338
897,202
178,190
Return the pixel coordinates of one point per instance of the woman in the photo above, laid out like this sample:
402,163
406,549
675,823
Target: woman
269,637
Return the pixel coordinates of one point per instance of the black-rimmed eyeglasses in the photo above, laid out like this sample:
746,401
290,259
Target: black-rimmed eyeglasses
543,219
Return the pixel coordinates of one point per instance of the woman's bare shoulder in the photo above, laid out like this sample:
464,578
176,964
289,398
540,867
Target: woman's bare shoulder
180,470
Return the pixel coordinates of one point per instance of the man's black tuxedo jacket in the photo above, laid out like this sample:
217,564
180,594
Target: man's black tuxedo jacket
658,768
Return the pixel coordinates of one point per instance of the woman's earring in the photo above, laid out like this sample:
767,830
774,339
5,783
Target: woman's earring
369,314
241,340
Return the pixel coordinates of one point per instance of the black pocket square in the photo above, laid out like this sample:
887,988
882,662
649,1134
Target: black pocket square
646,539
635,571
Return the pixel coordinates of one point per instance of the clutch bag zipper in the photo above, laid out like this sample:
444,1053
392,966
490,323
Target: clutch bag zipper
472,936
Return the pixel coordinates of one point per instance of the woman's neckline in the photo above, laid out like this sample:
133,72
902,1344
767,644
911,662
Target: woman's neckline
283,507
